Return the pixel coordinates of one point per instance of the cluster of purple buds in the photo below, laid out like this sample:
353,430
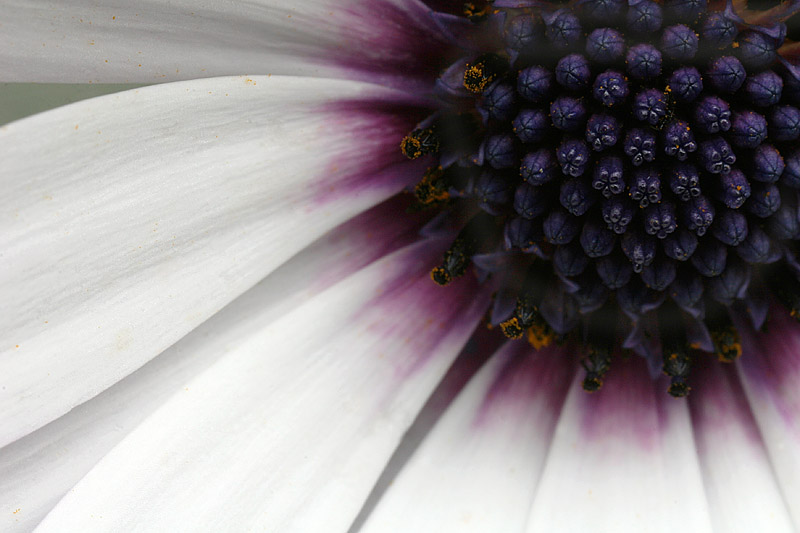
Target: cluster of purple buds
638,165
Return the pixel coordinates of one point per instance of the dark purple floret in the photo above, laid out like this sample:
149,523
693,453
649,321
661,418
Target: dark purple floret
562,28
687,290
680,245
645,186
603,11
660,274
679,140
521,234
500,101
538,167
492,191
686,83
733,189
684,180
679,42
685,10
763,89
729,285
698,214
730,227
757,50
576,196
757,247
596,239
784,123
768,164
644,61
726,74
614,270
765,199
531,201
719,30
660,220
784,223
535,83
500,151
602,132
561,227
568,113
650,106
640,249
610,88
748,129
644,16
608,176
640,146
716,155
573,156
531,125
573,72
617,214
712,115
605,45
791,173
523,31
710,257
569,259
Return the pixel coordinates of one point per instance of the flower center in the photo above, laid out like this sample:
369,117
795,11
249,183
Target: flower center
626,175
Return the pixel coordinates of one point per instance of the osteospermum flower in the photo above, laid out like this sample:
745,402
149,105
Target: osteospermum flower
220,300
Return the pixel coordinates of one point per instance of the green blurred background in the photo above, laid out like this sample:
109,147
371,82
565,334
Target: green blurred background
19,100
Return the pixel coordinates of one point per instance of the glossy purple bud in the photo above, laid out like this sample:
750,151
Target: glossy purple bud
679,140
731,283
650,106
576,196
748,129
686,83
733,189
560,227
614,270
492,191
660,274
679,42
608,176
640,249
687,290
538,167
531,201
596,240
791,174
698,214
569,259
617,214
610,88
784,123
603,10
645,186
605,45
562,28
763,89
712,115
573,156
680,245
768,164
521,234
685,10
684,180
640,146
644,16
710,257
660,220
568,113
758,247
500,101
765,199
644,61
500,151
730,227
757,50
531,125
716,155
718,30
523,32
602,132
726,74
573,72
535,83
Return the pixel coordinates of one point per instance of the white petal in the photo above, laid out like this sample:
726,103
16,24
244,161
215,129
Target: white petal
477,470
622,459
130,219
37,470
290,429
742,492
152,41
770,372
